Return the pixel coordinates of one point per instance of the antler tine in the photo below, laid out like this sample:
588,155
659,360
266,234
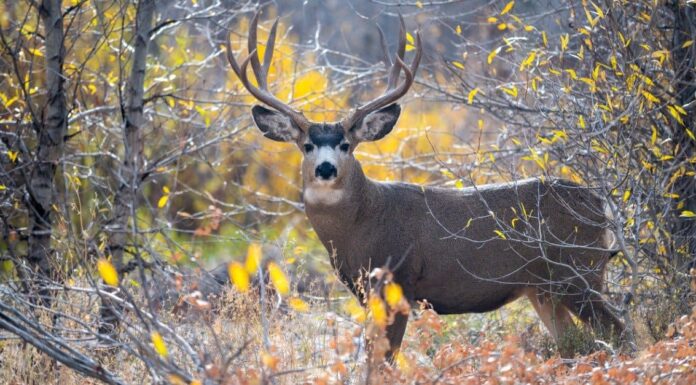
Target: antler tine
419,53
270,46
385,49
394,91
261,72
231,60
400,52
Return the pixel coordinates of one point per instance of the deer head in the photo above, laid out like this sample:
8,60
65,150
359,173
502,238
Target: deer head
328,146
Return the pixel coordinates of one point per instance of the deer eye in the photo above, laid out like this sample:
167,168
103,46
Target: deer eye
308,147
344,147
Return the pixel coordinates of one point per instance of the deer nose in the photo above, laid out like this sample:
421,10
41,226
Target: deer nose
326,171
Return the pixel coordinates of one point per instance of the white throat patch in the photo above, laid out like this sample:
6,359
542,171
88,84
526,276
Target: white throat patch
317,194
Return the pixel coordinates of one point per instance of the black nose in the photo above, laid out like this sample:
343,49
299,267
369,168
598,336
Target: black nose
325,171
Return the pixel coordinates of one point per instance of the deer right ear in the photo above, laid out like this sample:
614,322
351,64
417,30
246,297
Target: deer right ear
275,125
377,124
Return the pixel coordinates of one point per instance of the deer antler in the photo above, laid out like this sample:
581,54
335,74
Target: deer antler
394,91
261,73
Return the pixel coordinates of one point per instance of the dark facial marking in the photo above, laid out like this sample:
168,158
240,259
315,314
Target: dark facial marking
326,135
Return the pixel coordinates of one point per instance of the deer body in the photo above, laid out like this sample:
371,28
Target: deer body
461,250
458,268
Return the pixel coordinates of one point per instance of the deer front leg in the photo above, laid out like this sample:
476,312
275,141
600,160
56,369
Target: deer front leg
395,334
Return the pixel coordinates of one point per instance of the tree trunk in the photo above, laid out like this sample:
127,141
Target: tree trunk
51,131
128,176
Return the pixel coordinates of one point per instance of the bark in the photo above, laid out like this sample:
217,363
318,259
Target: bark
684,64
128,176
51,131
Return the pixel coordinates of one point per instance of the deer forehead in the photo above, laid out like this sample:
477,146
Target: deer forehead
326,134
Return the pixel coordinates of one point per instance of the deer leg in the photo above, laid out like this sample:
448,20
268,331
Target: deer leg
553,314
395,334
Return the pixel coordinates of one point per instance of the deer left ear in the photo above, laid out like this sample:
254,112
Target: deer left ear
275,125
377,124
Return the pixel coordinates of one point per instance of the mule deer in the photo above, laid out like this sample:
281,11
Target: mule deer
462,250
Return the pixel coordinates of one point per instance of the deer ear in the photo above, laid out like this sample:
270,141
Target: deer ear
377,124
275,125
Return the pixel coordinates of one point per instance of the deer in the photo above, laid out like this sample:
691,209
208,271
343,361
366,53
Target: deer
468,250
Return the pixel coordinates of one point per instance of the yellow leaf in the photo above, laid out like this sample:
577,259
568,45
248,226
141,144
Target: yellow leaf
165,189
564,41
36,52
298,305
419,4
270,361
402,362
512,91
675,114
572,74
472,94
378,311
253,258
3,187
507,7
409,38
599,11
238,276
492,20
500,234
12,155
626,195
687,214
528,61
458,30
502,26
393,293
278,279
459,184
591,83
163,201
493,54
650,97
107,272
581,121
544,39
687,44
653,137
458,65
176,380
158,343
353,308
